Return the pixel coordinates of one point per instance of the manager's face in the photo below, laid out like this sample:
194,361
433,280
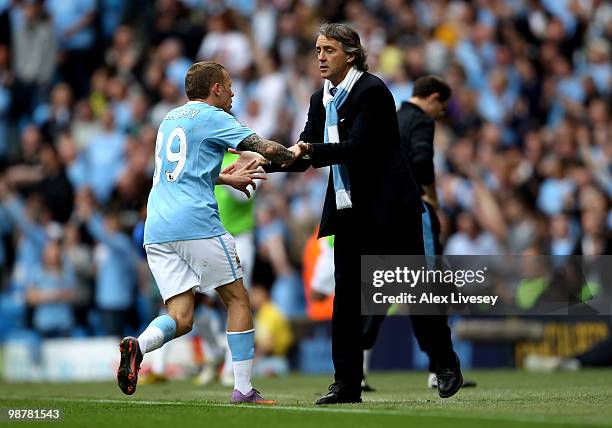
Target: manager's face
334,63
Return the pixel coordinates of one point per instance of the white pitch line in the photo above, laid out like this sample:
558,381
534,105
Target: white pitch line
209,404
357,410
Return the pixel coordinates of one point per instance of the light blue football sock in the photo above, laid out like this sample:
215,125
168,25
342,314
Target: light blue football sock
242,347
161,330
242,344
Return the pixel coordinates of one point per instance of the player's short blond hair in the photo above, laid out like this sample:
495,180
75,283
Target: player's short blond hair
201,77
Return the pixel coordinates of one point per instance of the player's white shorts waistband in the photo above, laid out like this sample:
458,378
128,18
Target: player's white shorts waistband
199,264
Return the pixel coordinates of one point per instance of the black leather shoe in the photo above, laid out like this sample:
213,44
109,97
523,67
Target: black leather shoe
339,394
449,380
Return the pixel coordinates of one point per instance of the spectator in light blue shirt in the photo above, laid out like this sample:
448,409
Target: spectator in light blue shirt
5,100
562,242
598,66
120,103
555,189
104,158
561,9
270,237
569,85
496,100
111,14
50,291
5,229
476,55
30,219
73,22
116,265
176,64
568,89
75,166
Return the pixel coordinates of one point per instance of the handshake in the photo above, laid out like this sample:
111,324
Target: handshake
248,167
297,151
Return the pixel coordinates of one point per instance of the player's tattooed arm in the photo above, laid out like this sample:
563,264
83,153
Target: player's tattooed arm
271,150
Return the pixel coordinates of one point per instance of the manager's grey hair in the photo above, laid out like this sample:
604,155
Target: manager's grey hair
349,39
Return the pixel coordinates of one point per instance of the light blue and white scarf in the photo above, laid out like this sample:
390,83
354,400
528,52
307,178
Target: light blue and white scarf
332,104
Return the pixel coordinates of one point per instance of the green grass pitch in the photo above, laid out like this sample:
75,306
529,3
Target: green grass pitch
502,399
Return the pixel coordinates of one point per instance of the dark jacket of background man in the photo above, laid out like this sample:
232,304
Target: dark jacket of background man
417,143
417,135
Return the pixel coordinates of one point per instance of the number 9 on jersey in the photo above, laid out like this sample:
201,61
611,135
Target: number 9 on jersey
179,157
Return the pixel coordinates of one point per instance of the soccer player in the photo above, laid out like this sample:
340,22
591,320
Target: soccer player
188,250
236,213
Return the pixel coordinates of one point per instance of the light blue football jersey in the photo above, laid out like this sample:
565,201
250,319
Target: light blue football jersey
191,142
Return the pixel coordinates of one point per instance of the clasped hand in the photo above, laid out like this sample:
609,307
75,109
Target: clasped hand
242,174
256,160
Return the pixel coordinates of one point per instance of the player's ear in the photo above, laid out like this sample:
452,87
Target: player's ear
216,88
350,59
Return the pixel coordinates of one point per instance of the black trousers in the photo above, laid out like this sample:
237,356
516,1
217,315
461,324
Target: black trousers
347,322
352,240
432,332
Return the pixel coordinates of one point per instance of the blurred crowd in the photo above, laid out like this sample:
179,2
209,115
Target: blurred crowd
523,157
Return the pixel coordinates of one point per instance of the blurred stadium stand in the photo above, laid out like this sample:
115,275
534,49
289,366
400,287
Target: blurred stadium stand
523,157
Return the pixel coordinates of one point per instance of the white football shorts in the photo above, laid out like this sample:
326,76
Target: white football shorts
200,265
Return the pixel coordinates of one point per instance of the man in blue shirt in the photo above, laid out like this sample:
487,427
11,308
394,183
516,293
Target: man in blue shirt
187,247
30,218
73,22
116,265
104,158
50,291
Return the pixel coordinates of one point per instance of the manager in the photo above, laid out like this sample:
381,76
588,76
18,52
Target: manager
372,205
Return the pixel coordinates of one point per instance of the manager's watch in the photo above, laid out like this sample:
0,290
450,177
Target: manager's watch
308,151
